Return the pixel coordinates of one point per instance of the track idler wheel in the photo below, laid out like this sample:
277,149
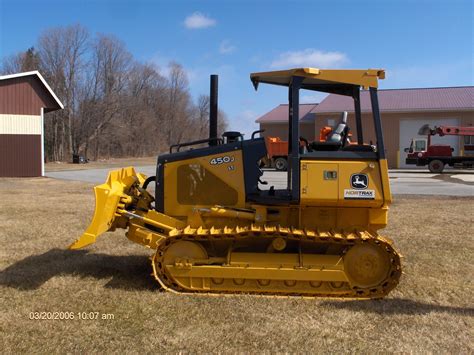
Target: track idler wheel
366,265
184,250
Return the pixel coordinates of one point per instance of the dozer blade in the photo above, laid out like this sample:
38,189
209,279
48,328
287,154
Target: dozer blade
107,199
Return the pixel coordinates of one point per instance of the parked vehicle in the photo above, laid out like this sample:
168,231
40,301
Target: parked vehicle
277,149
277,153
437,156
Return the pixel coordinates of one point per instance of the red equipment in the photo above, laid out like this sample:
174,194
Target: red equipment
453,131
436,156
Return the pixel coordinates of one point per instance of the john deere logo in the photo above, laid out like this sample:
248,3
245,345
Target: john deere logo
359,181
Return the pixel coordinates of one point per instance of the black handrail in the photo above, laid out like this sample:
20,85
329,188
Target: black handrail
257,132
200,141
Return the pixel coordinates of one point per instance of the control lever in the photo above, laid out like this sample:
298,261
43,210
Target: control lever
262,182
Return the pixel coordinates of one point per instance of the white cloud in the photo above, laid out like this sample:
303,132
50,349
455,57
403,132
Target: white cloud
226,47
310,58
198,20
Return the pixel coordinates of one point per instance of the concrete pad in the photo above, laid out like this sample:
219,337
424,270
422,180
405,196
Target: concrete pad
434,187
424,170
96,176
400,183
410,174
463,177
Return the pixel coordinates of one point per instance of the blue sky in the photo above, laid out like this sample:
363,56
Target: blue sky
419,43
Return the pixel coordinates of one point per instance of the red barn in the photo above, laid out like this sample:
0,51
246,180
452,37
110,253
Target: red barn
24,99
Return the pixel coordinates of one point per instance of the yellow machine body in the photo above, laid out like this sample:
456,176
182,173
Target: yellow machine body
193,183
214,232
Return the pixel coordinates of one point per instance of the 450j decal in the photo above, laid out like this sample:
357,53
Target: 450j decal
222,160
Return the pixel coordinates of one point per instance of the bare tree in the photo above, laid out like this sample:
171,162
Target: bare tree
108,73
202,116
12,63
177,103
141,117
114,106
21,62
62,53
222,122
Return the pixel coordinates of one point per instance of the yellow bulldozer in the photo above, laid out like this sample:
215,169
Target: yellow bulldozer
216,228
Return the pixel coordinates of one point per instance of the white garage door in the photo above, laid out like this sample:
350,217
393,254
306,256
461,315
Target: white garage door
409,130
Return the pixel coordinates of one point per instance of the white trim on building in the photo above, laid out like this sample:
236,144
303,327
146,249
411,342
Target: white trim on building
38,74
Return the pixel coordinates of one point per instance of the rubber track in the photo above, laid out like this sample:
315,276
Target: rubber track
316,236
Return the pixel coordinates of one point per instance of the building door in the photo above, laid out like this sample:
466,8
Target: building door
409,130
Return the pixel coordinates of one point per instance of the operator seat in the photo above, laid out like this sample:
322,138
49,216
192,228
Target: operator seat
340,132
336,139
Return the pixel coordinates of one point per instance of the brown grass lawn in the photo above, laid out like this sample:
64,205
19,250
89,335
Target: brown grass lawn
431,310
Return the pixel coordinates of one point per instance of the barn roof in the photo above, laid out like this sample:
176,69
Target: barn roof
406,100
280,114
40,77
390,100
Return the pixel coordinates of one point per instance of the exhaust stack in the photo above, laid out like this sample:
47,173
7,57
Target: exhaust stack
213,110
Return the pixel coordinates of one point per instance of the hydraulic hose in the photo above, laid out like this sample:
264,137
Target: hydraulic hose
148,180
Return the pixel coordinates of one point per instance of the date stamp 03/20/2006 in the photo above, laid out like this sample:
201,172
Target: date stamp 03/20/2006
60,315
